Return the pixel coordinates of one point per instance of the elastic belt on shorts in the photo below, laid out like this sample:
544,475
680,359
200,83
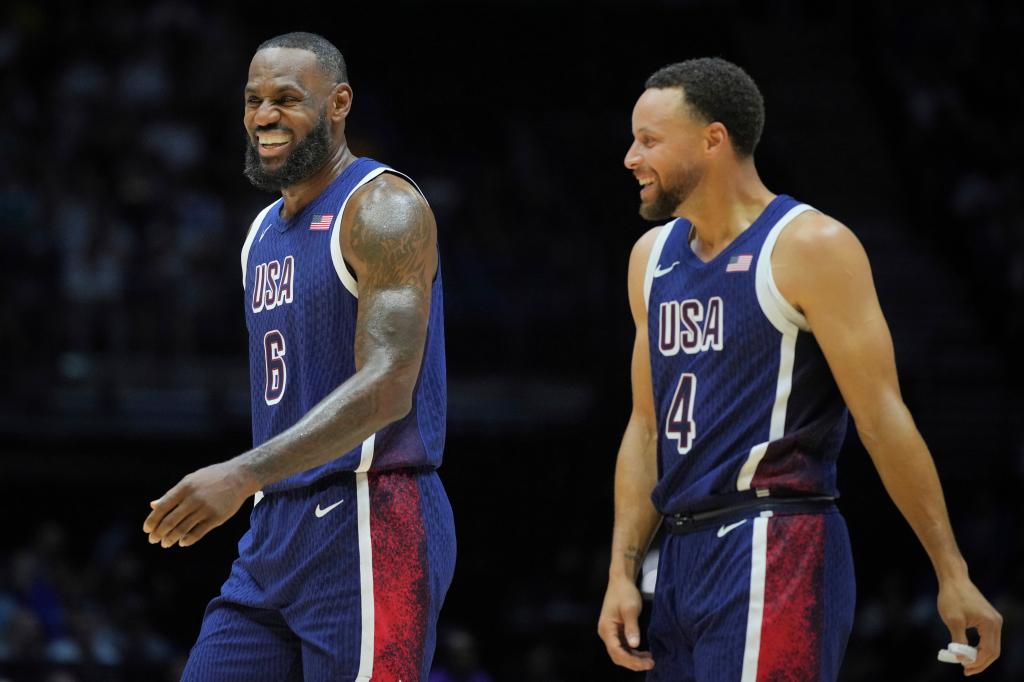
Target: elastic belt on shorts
688,523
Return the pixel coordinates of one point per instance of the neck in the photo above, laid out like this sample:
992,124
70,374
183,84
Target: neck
298,196
723,206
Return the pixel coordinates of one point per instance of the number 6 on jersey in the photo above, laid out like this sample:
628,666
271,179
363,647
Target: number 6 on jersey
679,424
276,372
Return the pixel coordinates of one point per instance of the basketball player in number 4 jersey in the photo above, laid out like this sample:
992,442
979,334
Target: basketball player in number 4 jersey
757,325
351,547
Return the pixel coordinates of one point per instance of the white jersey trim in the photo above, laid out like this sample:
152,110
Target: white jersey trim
344,274
652,260
365,578
247,246
790,323
777,427
366,455
755,608
776,308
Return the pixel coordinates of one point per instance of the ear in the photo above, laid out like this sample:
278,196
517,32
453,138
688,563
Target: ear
716,138
340,102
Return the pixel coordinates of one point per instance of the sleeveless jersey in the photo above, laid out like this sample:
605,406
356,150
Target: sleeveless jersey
746,404
300,310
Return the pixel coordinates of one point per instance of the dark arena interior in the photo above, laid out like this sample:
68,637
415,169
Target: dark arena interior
123,209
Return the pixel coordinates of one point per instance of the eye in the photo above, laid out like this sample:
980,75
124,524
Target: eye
252,101
288,99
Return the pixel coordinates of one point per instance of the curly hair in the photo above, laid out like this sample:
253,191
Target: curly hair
717,90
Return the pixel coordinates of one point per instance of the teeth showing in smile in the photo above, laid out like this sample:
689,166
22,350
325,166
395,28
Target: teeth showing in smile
273,138
645,182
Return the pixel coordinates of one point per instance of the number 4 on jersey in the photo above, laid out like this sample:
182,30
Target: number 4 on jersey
680,425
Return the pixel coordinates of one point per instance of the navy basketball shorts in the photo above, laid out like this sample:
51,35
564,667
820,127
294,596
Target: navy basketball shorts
341,580
765,598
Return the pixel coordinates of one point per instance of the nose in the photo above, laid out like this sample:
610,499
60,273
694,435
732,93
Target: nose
633,157
266,114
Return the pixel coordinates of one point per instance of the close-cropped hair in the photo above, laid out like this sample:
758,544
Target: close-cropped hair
717,90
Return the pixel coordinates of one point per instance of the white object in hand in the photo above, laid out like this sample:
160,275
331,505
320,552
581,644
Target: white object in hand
951,652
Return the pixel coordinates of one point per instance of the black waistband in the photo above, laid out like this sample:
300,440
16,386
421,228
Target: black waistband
688,523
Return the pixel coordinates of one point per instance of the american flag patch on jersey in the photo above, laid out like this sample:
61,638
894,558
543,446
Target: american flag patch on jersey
740,263
321,221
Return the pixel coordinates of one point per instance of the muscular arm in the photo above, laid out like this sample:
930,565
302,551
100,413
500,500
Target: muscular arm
636,472
821,268
389,238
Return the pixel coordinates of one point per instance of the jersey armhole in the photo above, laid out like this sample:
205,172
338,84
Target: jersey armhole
655,257
774,305
341,266
247,246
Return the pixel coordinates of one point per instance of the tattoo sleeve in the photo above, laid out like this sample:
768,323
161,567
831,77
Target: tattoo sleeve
391,245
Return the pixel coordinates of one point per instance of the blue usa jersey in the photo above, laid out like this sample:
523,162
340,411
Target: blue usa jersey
746,404
300,309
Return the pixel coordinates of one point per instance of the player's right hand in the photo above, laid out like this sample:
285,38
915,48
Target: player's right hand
619,625
199,503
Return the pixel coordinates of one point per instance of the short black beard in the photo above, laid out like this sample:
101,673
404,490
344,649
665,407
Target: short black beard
662,206
669,199
306,158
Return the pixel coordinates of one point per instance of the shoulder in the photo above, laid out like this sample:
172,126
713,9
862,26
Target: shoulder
388,225
814,236
387,207
816,257
388,199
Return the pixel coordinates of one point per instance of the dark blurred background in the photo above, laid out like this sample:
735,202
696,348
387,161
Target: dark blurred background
123,209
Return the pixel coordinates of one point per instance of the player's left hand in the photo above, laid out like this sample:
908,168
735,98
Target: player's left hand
199,503
961,607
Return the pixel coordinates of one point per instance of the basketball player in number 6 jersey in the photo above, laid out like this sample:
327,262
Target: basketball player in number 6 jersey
351,547
757,325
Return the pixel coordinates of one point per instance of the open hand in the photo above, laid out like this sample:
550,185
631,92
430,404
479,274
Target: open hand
199,503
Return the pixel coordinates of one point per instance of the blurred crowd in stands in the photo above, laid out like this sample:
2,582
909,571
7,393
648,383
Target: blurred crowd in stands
79,620
955,107
114,149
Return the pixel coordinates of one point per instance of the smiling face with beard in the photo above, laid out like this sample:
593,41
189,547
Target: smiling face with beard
669,192
665,156
308,156
294,119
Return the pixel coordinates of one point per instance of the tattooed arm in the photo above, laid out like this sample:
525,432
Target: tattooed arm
389,238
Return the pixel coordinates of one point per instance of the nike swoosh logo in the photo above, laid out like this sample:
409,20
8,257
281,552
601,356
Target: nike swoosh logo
658,272
725,529
265,232
320,513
